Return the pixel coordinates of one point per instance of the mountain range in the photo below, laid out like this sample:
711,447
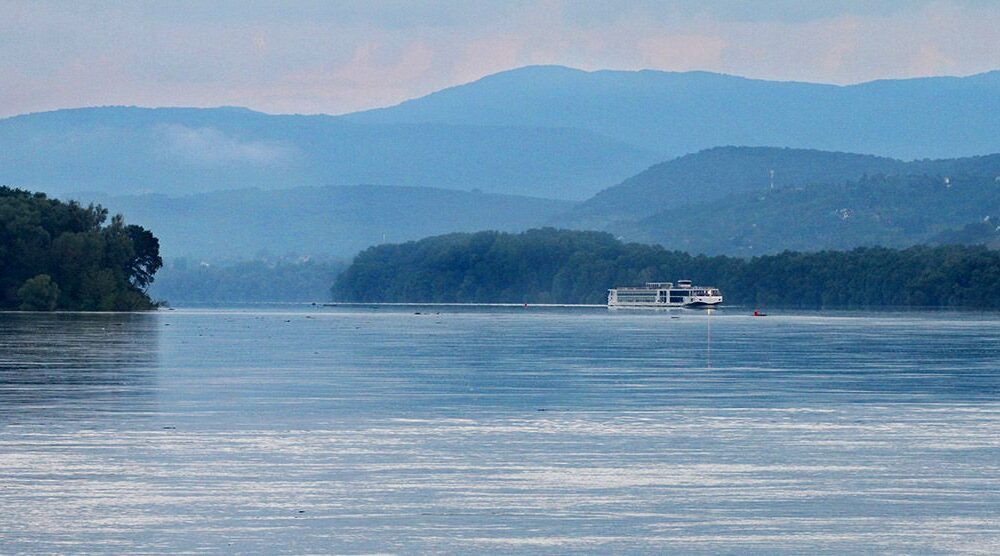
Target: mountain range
542,131
538,146
176,151
724,200
674,113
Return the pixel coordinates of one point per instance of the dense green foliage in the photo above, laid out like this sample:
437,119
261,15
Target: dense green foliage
558,266
985,232
183,282
56,255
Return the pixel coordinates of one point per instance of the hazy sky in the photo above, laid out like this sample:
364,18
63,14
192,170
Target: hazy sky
335,57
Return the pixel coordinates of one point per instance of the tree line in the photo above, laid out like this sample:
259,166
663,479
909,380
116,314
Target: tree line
561,266
63,256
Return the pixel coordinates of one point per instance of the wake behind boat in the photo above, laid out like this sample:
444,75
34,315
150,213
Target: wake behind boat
664,294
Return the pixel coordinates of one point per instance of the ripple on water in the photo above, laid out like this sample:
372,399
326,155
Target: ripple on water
328,430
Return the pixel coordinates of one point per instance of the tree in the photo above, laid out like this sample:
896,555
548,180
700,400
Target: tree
145,260
563,266
93,266
38,294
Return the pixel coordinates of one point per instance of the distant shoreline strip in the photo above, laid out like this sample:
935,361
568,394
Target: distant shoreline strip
552,305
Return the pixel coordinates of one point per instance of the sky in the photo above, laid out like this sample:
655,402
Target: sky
338,56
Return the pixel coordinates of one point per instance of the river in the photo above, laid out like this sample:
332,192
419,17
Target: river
306,429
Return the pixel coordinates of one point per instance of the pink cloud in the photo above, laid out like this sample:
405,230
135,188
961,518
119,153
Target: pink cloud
681,52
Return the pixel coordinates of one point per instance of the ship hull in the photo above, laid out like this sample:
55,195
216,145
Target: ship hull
690,305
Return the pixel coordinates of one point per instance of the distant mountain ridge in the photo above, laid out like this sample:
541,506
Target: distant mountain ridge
682,112
545,131
173,151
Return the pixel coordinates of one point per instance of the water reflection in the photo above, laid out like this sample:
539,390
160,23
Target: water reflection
421,431
75,365
455,362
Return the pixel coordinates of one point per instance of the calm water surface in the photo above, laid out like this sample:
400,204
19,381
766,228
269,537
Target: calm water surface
546,431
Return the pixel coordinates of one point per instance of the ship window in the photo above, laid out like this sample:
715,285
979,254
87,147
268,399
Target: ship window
677,300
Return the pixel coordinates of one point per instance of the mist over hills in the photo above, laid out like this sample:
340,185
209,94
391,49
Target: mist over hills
334,221
121,150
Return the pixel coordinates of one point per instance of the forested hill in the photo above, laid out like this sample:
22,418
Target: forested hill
717,176
892,211
56,255
560,266
715,173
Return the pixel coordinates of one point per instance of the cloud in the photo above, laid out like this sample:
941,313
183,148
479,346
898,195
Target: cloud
209,146
681,52
335,57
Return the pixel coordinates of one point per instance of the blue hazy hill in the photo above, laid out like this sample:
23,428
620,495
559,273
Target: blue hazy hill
122,150
332,221
890,211
541,131
676,113
726,200
713,174
714,178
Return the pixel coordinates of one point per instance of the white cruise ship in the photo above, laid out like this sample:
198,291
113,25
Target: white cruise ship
664,294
